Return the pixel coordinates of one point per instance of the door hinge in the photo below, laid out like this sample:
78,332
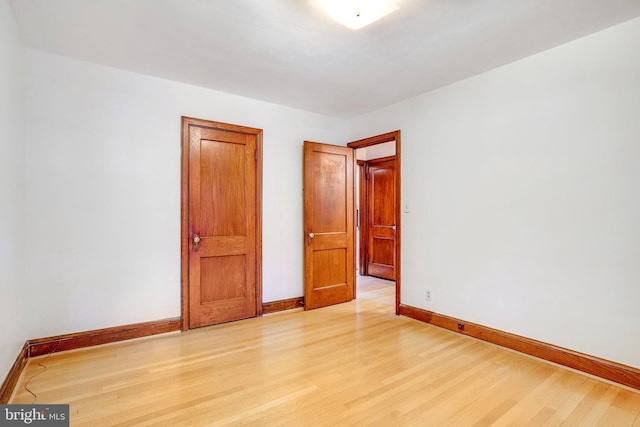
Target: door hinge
255,155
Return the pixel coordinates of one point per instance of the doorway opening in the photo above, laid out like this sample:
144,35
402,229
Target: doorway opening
378,210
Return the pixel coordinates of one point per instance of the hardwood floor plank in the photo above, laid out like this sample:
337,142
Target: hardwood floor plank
618,412
351,364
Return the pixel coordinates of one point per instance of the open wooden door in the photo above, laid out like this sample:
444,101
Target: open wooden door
329,246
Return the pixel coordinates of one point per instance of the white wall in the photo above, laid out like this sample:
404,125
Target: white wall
12,337
103,191
377,151
523,185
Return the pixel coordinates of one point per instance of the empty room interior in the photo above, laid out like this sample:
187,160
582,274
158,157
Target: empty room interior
321,212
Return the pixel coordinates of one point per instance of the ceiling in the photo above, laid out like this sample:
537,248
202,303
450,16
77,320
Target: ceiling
289,52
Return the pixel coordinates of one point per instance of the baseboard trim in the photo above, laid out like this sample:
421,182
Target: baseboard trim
11,380
281,305
38,347
622,374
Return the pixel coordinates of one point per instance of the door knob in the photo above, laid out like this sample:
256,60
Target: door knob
196,240
309,237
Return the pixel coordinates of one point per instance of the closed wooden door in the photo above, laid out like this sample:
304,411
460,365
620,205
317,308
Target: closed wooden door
381,218
222,235
329,258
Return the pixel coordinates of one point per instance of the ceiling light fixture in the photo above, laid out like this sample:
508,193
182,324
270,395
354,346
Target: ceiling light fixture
355,14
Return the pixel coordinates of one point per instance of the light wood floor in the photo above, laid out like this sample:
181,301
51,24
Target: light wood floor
351,364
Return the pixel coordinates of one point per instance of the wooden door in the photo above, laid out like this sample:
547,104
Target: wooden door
381,218
222,235
329,258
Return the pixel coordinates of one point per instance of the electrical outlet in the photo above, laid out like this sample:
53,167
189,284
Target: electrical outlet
427,294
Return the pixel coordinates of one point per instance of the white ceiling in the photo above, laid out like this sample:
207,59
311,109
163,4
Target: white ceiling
289,52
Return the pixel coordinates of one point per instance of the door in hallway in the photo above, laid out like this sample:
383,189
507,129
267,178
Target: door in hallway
381,218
